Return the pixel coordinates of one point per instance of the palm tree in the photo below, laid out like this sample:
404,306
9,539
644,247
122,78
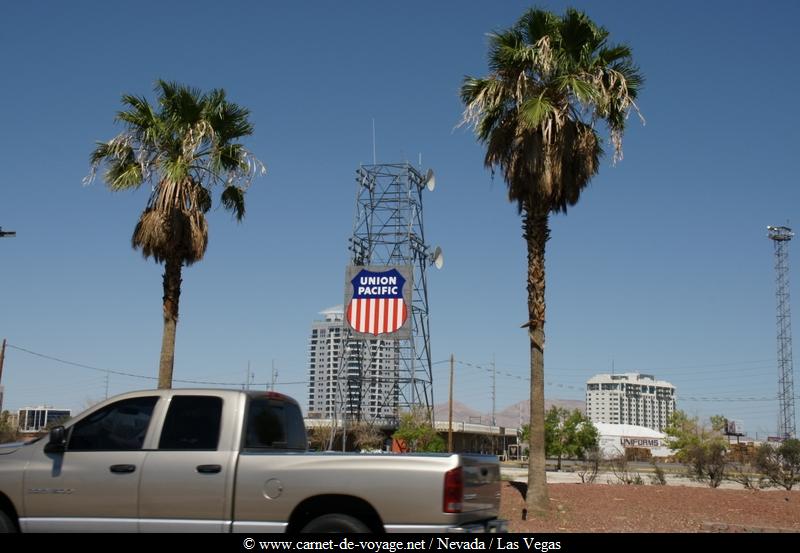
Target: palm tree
182,147
552,79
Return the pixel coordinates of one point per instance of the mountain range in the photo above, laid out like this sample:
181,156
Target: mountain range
510,417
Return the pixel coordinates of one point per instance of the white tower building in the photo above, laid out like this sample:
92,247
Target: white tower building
630,398
371,396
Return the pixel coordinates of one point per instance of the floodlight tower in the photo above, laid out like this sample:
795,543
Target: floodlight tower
388,229
780,237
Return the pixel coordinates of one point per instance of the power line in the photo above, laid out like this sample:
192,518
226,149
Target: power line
582,389
143,377
488,369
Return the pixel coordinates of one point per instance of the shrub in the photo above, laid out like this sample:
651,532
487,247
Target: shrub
781,464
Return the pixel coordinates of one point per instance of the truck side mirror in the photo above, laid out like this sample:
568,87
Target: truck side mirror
57,442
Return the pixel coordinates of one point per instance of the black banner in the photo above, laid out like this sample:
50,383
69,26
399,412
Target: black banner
386,543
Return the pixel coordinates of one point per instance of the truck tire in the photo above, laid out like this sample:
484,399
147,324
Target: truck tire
7,525
335,523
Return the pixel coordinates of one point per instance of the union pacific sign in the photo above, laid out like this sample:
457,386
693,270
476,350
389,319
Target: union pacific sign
378,301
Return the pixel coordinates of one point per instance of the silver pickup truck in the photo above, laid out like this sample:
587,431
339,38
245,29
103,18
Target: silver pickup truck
229,461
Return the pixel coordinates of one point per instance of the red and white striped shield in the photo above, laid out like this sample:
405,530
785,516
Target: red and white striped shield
377,305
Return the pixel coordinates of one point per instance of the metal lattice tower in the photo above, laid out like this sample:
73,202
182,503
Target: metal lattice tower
786,415
388,229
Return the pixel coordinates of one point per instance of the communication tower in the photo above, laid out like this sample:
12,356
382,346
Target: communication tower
388,229
780,237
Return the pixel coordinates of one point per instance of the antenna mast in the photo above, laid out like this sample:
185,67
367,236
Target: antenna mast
378,378
780,237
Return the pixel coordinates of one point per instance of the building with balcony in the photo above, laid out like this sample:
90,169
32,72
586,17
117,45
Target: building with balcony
368,371
630,398
36,419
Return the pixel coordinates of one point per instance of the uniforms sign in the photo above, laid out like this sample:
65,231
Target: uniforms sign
628,441
378,301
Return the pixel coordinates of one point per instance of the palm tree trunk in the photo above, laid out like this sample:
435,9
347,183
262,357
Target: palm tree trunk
172,293
536,234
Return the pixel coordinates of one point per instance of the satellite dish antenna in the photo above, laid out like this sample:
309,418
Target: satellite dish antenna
430,180
438,258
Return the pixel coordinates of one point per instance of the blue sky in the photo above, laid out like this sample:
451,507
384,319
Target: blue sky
663,267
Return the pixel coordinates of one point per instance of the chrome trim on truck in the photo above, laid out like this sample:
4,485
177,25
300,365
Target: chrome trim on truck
253,527
487,526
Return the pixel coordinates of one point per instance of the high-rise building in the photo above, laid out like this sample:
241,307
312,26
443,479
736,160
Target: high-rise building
36,419
630,398
370,367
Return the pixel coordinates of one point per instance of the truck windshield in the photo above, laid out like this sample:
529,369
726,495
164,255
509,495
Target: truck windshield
274,424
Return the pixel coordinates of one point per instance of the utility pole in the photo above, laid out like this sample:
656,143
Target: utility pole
2,358
494,392
274,376
450,416
248,377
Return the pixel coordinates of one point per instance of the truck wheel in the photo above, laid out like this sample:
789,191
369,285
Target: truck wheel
7,525
335,523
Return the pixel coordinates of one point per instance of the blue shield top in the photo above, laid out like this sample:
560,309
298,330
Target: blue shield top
382,285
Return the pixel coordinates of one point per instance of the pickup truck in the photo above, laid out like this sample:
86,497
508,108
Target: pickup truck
230,461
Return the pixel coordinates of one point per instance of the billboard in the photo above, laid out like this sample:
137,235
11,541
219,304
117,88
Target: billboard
734,428
377,301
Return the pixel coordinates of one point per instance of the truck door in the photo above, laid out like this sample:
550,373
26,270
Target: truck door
185,482
93,485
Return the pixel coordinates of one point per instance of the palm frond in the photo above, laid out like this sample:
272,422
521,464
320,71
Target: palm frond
233,200
580,37
160,234
200,198
580,86
123,170
613,54
535,111
538,24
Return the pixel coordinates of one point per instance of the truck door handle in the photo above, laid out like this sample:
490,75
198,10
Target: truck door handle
209,469
121,469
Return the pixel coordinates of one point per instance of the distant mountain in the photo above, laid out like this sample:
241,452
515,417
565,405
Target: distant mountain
461,413
509,417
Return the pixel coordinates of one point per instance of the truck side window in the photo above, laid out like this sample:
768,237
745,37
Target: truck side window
274,425
192,422
120,426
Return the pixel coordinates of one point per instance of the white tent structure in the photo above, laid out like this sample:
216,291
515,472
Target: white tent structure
614,438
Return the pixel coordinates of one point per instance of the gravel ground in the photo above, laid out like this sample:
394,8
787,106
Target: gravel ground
647,508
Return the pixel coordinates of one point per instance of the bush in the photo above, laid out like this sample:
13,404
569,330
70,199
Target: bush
417,433
781,464
366,436
701,448
590,466
749,477
619,466
319,437
7,432
658,478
